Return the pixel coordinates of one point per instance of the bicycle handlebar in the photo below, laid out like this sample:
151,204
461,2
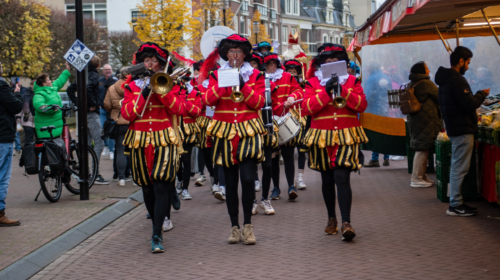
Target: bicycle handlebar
65,108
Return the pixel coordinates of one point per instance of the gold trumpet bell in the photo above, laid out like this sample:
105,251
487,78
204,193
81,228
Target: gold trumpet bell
237,96
161,83
339,102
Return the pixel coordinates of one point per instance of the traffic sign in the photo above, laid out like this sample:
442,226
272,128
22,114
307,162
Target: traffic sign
79,55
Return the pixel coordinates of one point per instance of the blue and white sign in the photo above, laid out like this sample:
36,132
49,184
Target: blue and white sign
79,55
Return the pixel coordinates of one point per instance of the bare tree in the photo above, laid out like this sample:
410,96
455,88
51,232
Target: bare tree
122,46
63,31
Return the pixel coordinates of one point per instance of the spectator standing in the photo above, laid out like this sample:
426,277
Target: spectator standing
112,104
26,116
424,125
93,109
104,83
17,87
12,103
458,107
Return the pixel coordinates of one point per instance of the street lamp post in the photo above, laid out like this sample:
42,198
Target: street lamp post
82,111
225,4
256,31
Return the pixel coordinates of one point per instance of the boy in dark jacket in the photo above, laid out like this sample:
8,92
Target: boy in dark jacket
458,107
12,103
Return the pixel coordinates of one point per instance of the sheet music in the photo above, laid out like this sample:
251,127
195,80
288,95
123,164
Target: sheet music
337,67
228,78
210,112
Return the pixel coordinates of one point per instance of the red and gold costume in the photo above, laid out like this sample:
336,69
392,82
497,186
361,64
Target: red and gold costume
236,126
335,134
193,110
152,140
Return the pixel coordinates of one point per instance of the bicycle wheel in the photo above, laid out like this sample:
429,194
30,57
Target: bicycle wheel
74,168
51,184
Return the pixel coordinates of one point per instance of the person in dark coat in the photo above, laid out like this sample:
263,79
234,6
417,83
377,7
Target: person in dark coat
424,125
458,106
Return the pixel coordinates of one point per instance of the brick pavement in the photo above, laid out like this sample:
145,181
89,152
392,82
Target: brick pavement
402,233
43,221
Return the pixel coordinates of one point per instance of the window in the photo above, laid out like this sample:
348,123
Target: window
294,30
273,14
284,35
135,15
262,10
296,7
96,12
242,25
271,30
374,6
325,38
244,6
271,3
288,6
331,40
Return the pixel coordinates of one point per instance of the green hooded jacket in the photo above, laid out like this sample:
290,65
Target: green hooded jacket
49,96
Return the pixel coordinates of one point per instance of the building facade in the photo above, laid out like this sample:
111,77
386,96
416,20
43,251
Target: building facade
295,19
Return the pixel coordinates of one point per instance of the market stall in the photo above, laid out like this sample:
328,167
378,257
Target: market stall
403,32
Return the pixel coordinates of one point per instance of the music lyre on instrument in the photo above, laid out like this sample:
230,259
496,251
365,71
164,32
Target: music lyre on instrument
267,110
237,95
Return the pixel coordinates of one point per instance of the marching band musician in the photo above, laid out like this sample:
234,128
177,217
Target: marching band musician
257,62
287,91
217,182
294,67
153,138
191,133
263,47
236,128
335,134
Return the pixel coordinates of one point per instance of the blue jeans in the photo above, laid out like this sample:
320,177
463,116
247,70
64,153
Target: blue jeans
6,151
18,142
110,143
461,153
375,156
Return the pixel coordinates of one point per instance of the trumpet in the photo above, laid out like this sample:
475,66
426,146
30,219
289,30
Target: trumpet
338,101
237,95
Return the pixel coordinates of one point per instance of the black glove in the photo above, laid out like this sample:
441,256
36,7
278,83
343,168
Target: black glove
145,92
331,85
242,83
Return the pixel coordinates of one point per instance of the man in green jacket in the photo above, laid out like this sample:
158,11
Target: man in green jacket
47,94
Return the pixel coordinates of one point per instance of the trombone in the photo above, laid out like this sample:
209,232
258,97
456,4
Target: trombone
237,95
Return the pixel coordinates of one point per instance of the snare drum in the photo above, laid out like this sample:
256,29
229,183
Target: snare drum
289,128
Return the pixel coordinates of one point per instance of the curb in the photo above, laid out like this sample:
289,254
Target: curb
43,256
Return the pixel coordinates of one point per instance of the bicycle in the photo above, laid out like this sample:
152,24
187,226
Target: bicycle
51,182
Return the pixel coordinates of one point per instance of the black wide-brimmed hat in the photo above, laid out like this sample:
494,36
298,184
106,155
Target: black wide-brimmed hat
270,56
232,41
293,64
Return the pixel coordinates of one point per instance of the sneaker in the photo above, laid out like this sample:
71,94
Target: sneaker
428,180
235,236
17,153
167,225
292,193
300,185
276,194
115,178
386,162
266,205
111,156
215,188
331,226
248,236
121,183
156,246
255,207
348,232
176,201
220,196
185,195
128,179
373,163
148,216
105,151
460,211
100,181
420,184
257,185
212,181
470,208
200,181
178,187
282,162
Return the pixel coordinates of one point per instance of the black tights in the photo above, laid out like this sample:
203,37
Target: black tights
201,161
219,170
158,199
207,156
184,172
267,171
302,159
247,170
288,158
342,178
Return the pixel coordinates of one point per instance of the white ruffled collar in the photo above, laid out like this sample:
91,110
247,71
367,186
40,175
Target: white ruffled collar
322,82
276,75
140,82
246,70
189,87
205,83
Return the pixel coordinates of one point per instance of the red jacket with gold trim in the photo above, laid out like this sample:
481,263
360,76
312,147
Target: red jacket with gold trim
319,105
157,115
286,87
234,112
201,89
193,107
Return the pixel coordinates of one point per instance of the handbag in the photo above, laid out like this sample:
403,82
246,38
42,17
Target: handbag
110,127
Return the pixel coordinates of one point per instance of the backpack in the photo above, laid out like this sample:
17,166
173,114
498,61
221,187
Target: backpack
408,102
